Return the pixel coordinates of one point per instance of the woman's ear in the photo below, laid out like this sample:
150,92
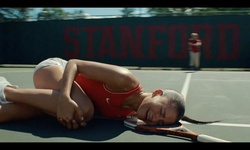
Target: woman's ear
157,92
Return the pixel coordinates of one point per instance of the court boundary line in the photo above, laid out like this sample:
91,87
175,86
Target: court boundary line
4,65
15,71
224,124
185,87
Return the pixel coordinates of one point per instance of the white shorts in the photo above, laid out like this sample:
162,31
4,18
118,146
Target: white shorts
51,62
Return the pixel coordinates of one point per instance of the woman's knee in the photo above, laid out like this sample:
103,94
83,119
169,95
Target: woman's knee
83,101
87,108
88,113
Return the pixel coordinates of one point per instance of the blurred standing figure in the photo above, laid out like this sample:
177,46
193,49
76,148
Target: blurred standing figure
194,44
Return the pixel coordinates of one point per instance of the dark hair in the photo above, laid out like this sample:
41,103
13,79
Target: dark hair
177,100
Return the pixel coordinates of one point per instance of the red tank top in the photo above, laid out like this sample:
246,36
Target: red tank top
106,103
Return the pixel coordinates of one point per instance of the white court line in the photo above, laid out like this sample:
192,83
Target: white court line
186,85
15,71
223,124
228,80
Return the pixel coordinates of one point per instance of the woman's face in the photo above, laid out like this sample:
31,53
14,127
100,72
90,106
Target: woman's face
157,111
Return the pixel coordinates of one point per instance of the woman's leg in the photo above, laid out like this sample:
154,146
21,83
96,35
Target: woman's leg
14,111
191,59
197,60
55,73
44,99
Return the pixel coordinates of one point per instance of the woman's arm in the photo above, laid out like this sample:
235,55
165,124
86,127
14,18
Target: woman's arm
67,107
116,78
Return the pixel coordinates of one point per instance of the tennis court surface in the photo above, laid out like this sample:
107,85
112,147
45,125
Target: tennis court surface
210,95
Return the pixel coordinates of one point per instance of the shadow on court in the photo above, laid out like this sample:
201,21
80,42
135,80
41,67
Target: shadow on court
48,127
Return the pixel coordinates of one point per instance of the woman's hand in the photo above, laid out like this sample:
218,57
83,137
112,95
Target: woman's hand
69,114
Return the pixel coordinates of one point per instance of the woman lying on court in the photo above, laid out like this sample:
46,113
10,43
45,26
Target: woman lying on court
73,90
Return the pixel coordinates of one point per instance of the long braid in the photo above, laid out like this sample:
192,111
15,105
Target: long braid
185,118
